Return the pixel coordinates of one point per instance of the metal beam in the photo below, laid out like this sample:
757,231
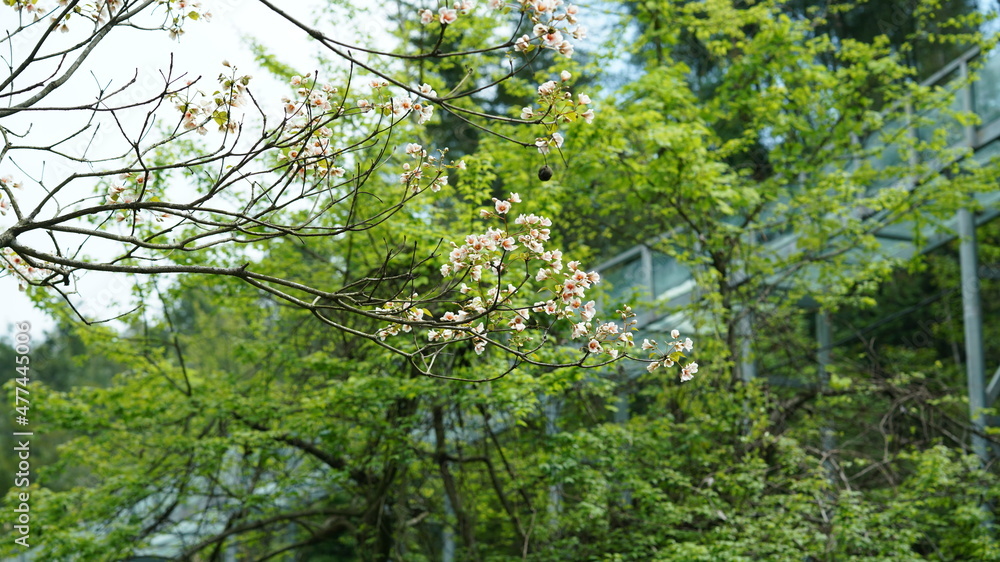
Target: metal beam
748,369
993,389
960,62
824,344
447,533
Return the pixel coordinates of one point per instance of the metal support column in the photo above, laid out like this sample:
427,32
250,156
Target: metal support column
973,321
447,533
824,343
971,310
621,408
748,370
621,417
744,327
555,490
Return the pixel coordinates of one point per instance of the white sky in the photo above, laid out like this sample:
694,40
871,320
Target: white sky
200,52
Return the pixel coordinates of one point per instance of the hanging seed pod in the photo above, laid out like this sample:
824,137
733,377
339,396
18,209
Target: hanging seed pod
545,173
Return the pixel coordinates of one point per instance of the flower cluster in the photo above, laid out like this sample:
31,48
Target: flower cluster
309,111
672,355
21,269
403,104
445,15
556,102
179,11
492,304
200,109
311,97
427,166
101,11
406,310
129,188
314,105
551,19
7,182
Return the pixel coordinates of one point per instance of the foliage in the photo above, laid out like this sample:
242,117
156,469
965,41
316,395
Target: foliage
274,437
